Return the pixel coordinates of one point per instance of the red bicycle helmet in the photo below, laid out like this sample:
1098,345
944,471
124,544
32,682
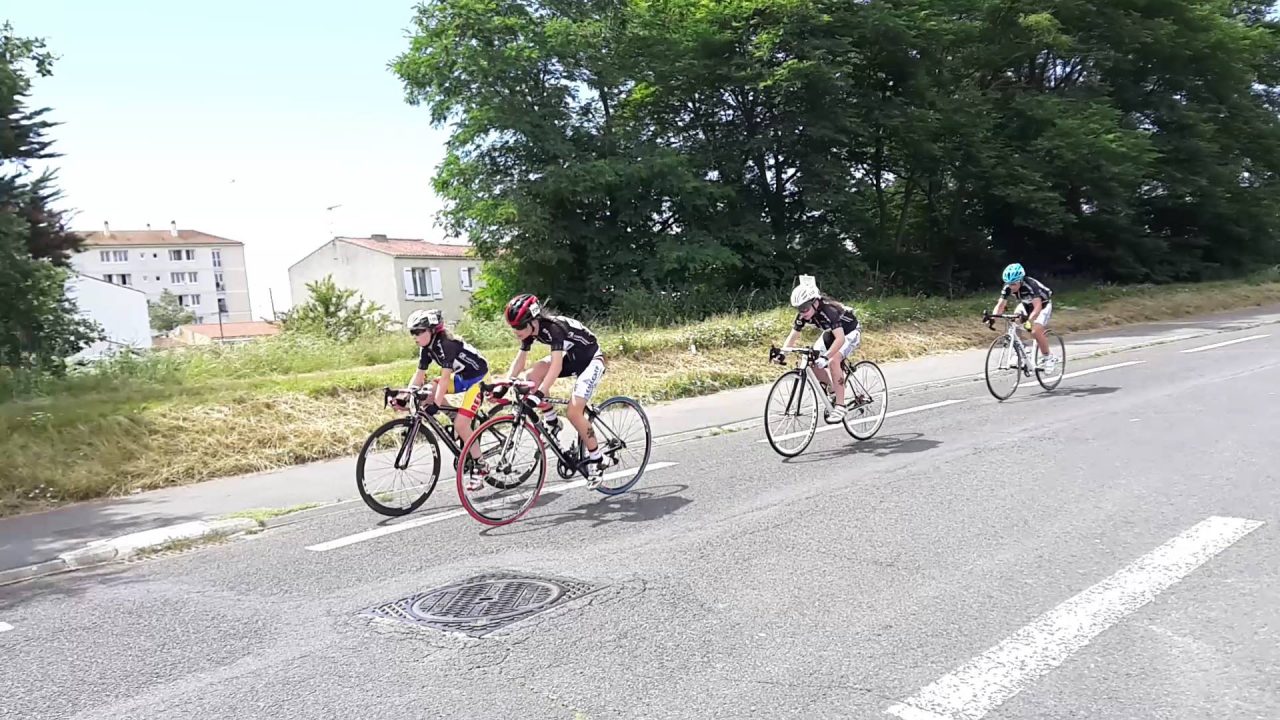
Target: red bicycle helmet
522,309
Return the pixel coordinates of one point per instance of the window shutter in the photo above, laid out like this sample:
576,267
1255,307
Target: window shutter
463,279
437,288
408,283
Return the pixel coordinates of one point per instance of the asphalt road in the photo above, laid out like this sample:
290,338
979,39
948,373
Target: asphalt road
1107,551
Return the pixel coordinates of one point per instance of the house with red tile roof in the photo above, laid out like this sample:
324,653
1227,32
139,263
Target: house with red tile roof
400,274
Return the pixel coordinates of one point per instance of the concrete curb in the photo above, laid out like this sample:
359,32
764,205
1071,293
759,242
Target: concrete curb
122,548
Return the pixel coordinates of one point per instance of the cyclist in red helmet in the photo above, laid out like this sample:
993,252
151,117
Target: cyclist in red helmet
575,352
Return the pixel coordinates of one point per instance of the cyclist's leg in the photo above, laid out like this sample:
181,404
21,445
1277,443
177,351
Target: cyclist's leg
823,345
1040,326
852,340
465,423
583,388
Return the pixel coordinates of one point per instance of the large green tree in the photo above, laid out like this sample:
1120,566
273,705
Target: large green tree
606,145
39,325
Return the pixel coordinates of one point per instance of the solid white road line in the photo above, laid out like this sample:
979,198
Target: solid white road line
1091,371
1224,344
441,517
5,627
894,414
982,684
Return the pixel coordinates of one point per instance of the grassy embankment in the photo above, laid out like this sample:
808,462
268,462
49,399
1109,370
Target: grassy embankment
183,417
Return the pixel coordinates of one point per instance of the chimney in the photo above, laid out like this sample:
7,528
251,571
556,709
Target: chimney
378,237
173,228
106,228
148,226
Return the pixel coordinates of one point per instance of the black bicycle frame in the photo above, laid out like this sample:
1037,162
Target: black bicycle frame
593,415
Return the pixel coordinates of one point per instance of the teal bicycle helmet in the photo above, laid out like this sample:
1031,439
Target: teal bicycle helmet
1014,273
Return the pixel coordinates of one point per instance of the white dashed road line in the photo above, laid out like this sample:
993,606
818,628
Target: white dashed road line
1091,371
1224,344
982,684
894,414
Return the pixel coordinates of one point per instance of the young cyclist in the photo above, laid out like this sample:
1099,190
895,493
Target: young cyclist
462,370
1037,306
575,352
840,336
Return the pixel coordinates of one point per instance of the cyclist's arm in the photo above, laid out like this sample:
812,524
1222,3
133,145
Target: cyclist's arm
517,365
445,382
1036,306
789,342
419,378
1000,305
837,342
553,372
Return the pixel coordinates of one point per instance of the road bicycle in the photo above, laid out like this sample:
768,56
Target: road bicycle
799,394
397,444
514,446
1010,358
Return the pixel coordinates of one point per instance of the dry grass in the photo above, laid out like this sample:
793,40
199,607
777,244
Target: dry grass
116,434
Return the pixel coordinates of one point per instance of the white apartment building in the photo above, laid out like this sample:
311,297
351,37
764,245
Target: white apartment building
402,275
205,271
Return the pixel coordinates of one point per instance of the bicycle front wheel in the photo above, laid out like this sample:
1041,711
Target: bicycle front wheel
866,399
509,474
1051,380
791,414
622,429
397,468
1003,380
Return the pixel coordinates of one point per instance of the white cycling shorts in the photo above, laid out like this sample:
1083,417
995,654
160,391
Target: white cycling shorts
851,342
585,386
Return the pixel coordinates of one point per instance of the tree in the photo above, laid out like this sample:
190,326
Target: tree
602,148
338,313
39,324
167,313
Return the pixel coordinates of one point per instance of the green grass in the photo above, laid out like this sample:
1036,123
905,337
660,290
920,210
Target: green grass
262,515
183,416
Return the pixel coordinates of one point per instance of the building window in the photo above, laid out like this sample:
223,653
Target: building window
218,282
182,255
188,300
422,283
222,305
217,258
184,278
113,256
119,279
467,278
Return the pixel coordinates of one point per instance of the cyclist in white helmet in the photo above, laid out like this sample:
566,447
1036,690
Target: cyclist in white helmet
1037,307
839,339
462,370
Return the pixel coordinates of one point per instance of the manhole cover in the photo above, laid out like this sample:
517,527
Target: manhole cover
482,604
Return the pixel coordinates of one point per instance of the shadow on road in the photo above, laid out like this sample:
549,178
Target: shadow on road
879,446
649,503
1064,391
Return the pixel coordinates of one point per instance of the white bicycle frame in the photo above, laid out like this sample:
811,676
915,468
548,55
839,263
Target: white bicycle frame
1019,347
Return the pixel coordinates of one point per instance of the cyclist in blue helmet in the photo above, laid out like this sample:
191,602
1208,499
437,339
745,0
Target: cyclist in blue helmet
1037,307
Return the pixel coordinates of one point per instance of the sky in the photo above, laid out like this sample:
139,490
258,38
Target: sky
241,119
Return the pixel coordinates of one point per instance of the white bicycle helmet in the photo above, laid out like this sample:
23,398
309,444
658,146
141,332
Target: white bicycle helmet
426,319
806,292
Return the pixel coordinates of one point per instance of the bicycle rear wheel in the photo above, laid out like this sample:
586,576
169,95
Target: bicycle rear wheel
622,429
999,373
515,466
386,477
1050,381
867,400
791,414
